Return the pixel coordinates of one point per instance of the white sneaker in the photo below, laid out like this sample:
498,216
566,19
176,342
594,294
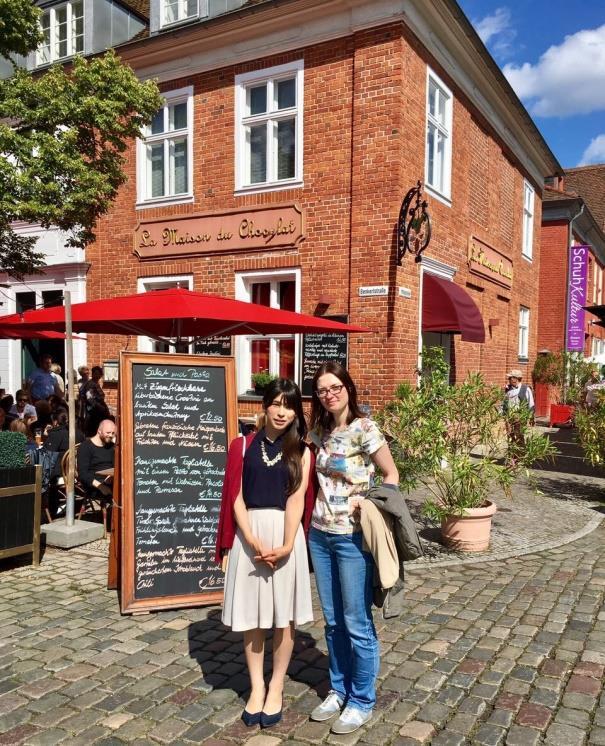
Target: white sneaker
351,719
328,708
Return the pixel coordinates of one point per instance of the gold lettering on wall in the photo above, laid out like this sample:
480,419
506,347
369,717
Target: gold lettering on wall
486,261
264,228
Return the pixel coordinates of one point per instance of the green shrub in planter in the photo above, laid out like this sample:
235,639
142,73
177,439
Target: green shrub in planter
262,379
451,438
12,449
590,423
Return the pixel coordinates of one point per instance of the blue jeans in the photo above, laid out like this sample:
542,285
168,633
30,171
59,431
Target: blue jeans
344,576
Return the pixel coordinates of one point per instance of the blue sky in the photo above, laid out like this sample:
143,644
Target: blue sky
553,54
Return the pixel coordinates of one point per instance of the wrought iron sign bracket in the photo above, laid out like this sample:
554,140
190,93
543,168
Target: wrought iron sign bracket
413,226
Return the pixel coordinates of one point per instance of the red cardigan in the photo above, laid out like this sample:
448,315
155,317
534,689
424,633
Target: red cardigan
231,487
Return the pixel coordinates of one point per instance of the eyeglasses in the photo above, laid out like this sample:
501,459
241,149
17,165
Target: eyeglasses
334,390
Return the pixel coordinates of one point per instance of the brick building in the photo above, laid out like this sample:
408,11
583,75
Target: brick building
291,132
573,213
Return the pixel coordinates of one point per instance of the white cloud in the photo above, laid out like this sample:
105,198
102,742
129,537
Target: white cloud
568,79
496,31
595,152
492,25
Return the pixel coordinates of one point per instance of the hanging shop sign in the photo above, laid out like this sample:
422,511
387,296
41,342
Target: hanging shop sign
487,262
252,229
577,282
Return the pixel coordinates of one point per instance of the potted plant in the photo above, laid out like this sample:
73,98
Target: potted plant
260,381
564,374
451,439
590,422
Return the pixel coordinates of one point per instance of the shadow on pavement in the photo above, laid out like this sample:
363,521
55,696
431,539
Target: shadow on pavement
570,488
220,655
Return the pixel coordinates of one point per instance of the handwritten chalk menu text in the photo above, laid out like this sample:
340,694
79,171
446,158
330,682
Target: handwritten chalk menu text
318,349
179,448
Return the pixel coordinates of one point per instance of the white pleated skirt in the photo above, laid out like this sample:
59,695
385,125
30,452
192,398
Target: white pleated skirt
257,597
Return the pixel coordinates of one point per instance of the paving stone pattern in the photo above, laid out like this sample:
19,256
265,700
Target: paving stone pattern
503,652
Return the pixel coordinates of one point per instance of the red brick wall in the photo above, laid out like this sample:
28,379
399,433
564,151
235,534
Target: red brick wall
553,285
364,129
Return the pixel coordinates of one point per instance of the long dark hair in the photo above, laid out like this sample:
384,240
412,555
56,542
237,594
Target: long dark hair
321,419
293,439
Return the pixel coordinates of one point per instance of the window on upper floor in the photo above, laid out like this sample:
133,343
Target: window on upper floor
62,32
527,249
438,162
523,333
276,354
175,11
164,154
269,128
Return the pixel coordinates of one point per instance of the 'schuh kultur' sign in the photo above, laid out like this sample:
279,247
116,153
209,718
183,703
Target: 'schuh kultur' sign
577,281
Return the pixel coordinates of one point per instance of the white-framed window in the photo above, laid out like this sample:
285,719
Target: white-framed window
600,270
165,153
269,128
523,333
149,285
527,248
439,118
277,354
598,349
176,11
62,32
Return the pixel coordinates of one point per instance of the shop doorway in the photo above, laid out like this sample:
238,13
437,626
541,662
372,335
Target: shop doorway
32,349
444,340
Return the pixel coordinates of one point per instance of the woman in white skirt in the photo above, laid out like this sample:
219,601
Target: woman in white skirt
267,584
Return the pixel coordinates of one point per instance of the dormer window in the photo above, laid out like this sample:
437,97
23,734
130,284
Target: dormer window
174,11
63,32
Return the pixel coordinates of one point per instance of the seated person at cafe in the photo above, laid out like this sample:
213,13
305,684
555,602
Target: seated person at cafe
19,426
22,407
43,417
95,455
57,437
4,420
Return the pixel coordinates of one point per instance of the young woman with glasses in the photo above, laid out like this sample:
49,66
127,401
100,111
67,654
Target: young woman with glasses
349,447
267,585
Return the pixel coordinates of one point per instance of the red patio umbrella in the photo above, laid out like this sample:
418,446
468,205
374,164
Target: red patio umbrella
172,314
25,333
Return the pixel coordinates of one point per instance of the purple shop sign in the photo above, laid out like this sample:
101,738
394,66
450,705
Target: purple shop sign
576,293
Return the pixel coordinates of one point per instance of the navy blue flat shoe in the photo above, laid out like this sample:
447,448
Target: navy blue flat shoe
251,718
266,721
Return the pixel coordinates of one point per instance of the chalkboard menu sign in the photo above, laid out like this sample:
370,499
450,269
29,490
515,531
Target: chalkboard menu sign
178,416
318,349
216,346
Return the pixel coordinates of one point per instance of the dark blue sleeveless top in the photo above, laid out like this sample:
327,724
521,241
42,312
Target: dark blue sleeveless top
264,486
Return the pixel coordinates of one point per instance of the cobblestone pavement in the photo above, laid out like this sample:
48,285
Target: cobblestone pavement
510,651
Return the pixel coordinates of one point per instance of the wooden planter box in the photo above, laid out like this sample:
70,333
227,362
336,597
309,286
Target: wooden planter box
561,413
20,508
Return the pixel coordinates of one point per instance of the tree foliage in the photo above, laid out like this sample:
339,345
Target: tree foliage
590,422
63,139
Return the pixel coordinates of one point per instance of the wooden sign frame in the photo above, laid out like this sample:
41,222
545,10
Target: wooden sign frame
128,601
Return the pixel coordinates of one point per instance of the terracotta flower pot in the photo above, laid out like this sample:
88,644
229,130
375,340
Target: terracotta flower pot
469,532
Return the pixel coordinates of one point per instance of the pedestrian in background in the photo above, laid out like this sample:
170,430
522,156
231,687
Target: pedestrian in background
349,448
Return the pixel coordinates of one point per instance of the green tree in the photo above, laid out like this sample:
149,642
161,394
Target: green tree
63,139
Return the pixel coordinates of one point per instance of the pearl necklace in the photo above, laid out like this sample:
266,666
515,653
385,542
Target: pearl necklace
269,461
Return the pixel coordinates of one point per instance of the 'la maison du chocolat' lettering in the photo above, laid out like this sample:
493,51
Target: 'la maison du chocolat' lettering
486,261
234,230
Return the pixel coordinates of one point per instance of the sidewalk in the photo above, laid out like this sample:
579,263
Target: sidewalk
498,651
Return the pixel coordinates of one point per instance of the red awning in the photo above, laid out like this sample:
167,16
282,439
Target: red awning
446,307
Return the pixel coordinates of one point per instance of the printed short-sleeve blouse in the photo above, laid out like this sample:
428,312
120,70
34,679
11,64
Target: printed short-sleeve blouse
345,470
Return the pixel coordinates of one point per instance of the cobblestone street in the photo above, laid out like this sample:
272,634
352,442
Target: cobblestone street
505,651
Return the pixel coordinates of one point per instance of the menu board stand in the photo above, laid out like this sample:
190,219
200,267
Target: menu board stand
178,415
320,347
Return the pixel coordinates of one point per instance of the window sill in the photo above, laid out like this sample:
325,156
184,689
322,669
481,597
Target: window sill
273,187
249,396
180,22
438,195
164,201
523,360
527,257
